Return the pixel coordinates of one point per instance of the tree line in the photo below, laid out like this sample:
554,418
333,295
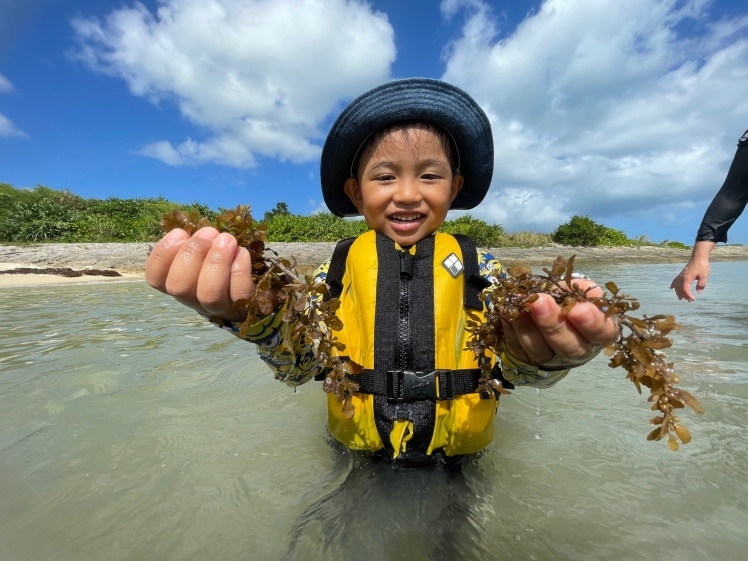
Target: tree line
43,214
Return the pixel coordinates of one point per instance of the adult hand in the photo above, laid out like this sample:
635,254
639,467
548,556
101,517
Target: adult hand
693,271
208,271
697,269
547,337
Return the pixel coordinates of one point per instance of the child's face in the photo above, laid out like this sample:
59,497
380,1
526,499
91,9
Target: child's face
406,185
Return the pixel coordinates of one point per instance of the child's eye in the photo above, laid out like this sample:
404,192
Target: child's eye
430,176
385,177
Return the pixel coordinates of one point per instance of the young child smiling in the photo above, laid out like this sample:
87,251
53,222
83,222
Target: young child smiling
400,155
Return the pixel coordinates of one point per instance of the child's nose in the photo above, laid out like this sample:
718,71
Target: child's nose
408,191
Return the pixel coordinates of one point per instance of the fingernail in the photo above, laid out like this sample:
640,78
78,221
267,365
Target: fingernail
223,240
173,237
171,234
236,266
539,309
541,314
203,233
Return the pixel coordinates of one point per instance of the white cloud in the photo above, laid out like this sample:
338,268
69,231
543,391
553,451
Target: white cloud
164,151
258,77
5,85
7,128
603,108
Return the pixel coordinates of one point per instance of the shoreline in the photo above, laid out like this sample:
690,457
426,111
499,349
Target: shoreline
128,259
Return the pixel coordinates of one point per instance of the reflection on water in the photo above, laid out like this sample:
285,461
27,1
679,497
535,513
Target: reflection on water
396,513
133,431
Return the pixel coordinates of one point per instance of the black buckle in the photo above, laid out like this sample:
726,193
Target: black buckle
411,385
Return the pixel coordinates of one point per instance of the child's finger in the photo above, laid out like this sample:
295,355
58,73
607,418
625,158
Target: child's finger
525,342
592,288
241,286
570,347
592,324
214,283
185,269
161,258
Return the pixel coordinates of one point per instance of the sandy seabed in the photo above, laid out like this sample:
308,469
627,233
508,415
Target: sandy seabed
128,259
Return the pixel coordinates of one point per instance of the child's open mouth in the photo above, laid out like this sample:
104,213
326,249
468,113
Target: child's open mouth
406,224
405,219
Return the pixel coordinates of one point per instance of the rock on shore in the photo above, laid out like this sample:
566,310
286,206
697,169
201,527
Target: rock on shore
131,257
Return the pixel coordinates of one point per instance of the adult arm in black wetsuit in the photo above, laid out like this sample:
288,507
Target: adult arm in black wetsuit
724,209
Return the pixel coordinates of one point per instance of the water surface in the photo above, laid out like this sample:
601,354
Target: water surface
131,430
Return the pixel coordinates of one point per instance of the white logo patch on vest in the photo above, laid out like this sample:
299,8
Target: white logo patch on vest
453,265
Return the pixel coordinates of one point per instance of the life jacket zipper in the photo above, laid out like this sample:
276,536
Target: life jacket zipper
404,354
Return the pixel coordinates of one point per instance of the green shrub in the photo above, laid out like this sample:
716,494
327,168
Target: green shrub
199,208
44,214
611,237
583,231
525,239
484,235
281,209
7,193
676,245
37,221
319,227
579,231
92,229
121,208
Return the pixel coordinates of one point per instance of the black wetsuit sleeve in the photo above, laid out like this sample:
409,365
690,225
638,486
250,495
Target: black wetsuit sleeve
730,201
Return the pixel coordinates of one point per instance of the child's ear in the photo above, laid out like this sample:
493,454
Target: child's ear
457,183
353,191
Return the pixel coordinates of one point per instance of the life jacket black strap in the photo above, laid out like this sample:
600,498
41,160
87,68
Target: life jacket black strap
412,385
337,268
474,283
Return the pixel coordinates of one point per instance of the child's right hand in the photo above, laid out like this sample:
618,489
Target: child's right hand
208,272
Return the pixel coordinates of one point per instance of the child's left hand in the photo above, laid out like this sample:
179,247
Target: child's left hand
551,340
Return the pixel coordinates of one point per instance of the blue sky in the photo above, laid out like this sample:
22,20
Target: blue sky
628,112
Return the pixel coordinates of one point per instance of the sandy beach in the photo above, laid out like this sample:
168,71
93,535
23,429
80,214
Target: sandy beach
128,259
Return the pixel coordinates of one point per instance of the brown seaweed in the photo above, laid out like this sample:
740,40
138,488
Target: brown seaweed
307,315
638,350
62,271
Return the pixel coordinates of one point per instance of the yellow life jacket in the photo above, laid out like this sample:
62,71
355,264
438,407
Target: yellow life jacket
404,315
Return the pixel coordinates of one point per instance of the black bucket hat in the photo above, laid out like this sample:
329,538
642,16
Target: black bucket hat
412,99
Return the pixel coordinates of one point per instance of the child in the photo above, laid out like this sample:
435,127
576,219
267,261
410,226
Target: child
401,155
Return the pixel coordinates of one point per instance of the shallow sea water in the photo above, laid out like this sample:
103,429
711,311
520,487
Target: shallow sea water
131,430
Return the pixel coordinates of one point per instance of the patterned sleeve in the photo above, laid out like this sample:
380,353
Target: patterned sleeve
293,363
514,370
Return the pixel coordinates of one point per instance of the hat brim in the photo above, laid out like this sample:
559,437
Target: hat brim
412,99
